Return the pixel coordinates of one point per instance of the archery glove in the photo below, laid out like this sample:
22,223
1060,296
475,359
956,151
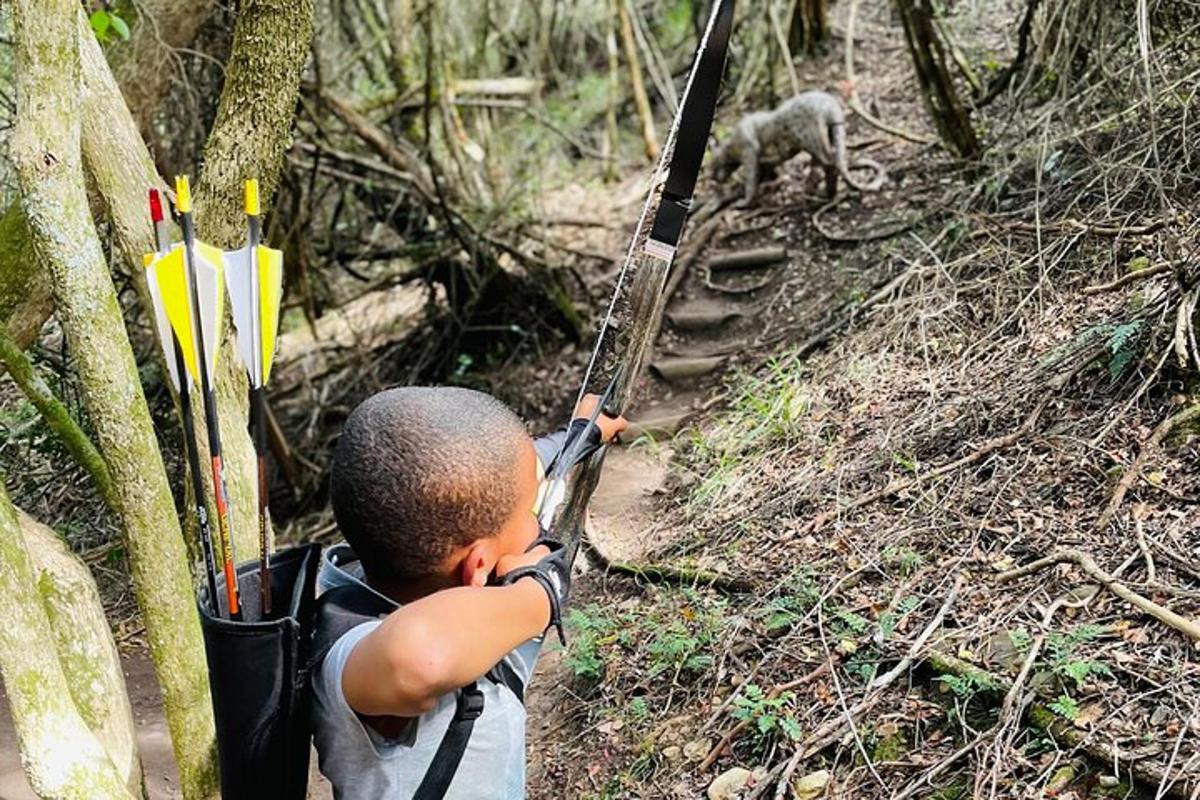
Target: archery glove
553,574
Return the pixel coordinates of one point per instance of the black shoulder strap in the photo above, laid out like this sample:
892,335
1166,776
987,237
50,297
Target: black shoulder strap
340,610
454,745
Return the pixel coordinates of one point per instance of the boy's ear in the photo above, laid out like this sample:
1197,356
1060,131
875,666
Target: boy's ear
478,564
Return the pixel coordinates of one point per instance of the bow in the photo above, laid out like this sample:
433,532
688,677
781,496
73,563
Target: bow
621,350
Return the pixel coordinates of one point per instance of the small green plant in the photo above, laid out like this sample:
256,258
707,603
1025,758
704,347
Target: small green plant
905,559
1021,639
1063,661
105,23
847,621
767,714
798,595
1122,347
967,685
590,629
888,620
680,645
1065,706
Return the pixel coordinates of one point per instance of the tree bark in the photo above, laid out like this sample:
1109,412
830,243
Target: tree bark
809,28
937,87
61,757
85,646
25,302
45,149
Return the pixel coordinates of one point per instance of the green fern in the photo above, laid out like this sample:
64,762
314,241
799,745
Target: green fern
1065,706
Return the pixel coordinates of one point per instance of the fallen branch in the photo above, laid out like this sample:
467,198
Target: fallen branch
1151,447
1188,627
1132,277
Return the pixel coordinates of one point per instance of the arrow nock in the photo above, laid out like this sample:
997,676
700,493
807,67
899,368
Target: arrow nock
183,195
252,208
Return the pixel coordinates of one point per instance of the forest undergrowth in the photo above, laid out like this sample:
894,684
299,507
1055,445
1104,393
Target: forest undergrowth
963,490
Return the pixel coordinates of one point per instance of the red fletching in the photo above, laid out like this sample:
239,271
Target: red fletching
156,209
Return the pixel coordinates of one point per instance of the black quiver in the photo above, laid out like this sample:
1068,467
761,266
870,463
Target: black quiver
257,672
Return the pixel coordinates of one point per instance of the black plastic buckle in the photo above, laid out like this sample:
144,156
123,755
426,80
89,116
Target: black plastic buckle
470,703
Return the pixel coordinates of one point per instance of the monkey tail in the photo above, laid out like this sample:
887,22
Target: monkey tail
843,163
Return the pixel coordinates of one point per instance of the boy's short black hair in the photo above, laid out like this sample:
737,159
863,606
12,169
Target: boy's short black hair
420,471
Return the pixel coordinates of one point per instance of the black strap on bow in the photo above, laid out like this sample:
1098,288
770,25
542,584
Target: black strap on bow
695,123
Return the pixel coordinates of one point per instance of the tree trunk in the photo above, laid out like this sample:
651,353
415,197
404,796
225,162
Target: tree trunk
86,649
640,100
809,28
61,757
144,68
251,134
937,87
25,302
402,26
45,149
612,134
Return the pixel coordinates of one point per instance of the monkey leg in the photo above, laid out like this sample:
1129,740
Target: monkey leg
831,181
750,168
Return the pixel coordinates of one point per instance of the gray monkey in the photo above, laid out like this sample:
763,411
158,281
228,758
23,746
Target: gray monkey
812,122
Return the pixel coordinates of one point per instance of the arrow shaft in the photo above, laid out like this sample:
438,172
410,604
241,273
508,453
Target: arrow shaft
258,410
232,595
190,446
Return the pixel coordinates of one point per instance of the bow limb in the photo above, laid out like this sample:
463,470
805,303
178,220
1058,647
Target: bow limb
646,303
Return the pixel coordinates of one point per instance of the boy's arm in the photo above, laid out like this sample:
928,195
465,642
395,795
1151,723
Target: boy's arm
440,643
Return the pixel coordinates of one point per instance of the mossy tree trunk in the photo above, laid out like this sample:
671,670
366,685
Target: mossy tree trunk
937,87
85,646
249,139
144,66
809,28
61,756
45,149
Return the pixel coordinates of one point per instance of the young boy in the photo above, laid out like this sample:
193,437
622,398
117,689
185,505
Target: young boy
435,490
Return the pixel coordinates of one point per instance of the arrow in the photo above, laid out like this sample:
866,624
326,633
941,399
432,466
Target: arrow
177,366
190,280
255,281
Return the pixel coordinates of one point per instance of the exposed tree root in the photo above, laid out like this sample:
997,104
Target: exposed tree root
671,574
1132,277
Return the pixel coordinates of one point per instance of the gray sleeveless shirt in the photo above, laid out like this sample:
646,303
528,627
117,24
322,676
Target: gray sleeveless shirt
363,765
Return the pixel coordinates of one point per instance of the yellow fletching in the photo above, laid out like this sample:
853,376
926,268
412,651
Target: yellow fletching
172,287
183,195
148,259
252,197
270,295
